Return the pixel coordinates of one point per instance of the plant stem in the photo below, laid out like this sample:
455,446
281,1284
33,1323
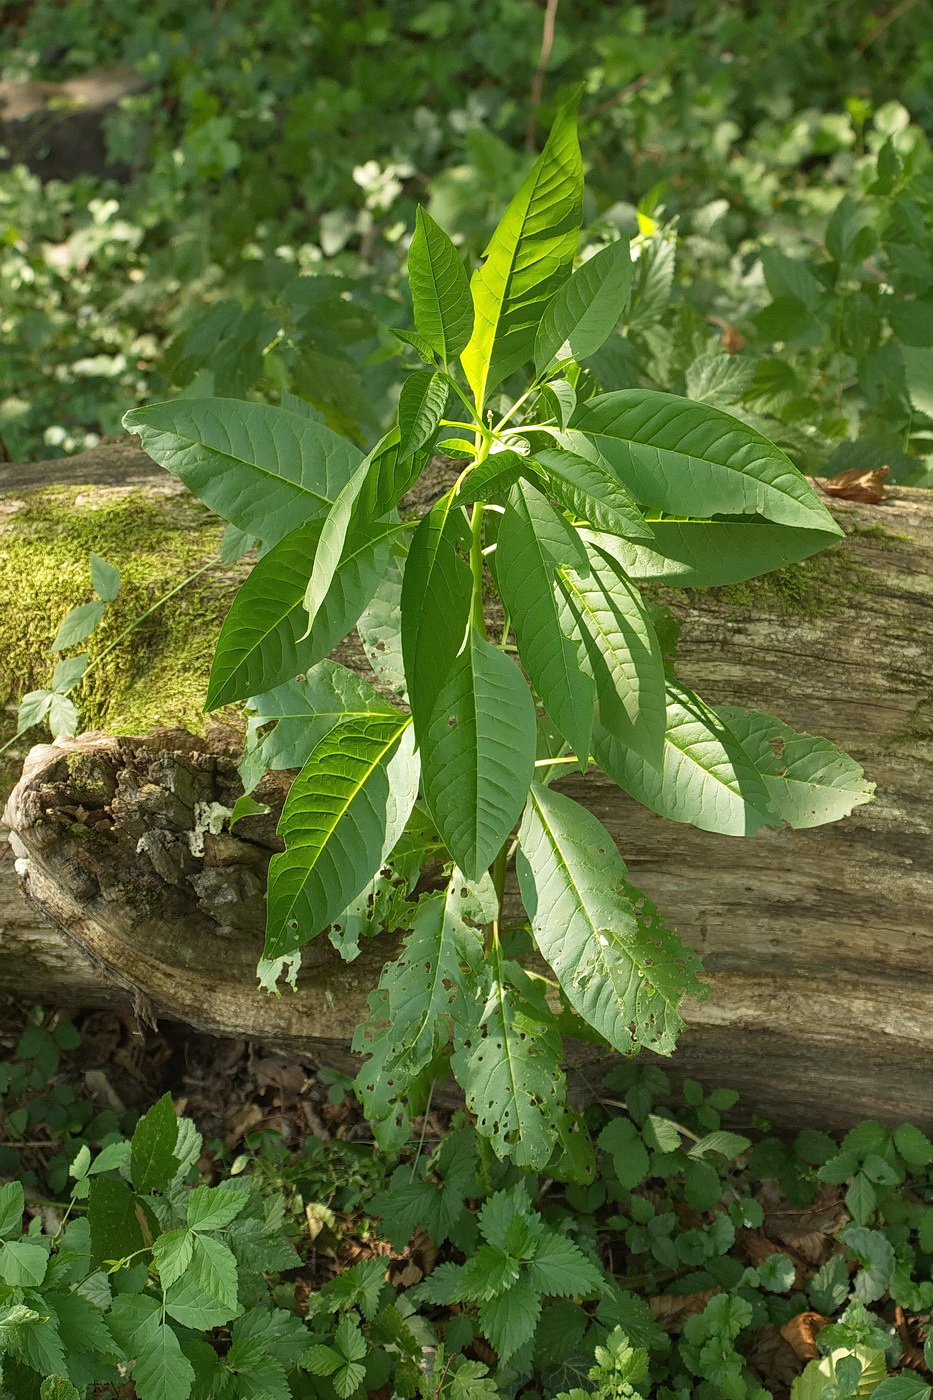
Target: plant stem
149,611
537,82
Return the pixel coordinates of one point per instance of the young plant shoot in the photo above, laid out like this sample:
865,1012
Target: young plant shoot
566,499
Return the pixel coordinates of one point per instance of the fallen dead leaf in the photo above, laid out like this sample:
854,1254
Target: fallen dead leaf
801,1332
671,1311
732,340
772,1358
855,485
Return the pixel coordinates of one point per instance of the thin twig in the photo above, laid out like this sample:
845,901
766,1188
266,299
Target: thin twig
537,82
885,23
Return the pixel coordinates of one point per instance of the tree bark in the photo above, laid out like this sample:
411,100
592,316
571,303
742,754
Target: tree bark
817,945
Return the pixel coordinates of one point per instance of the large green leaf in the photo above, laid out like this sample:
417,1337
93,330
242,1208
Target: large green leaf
623,650
380,628
532,541
263,641
706,778
528,259
437,591
332,542
420,406
588,489
392,472
305,710
478,753
507,1060
440,292
709,553
619,966
334,823
586,309
809,780
263,468
690,459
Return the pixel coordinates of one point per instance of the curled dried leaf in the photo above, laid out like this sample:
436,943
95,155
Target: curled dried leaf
801,1332
855,485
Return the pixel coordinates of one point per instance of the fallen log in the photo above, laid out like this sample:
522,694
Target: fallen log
818,945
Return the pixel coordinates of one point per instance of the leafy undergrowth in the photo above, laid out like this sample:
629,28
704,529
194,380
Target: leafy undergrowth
138,1261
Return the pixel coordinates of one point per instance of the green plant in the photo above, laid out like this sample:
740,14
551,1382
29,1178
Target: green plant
564,502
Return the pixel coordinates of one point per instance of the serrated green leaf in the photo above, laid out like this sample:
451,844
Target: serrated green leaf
689,459
153,1162
478,754
532,542
63,717
707,779
116,1231
264,640
78,624
105,578
172,1254
624,974
435,603
58,1388
913,1145
507,1060
334,824
258,1374
206,1294
729,1145
23,1264
719,379
875,1252
213,1207
624,655
809,780
33,709
68,673
12,1205
630,1162
906,1386
509,1320
161,1370
560,1269
82,1328
710,553
586,309
527,261
264,469
861,1199
420,406
440,291
585,485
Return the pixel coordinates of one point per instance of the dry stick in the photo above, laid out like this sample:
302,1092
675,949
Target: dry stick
883,24
537,82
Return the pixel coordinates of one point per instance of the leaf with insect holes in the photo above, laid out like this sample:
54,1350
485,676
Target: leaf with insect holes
440,291
527,261
619,967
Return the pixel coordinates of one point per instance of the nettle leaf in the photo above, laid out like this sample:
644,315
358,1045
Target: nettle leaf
264,469
809,780
334,824
587,488
440,291
624,653
620,968
706,778
710,553
306,710
420,406
507,1060
417,991
509,1320
527,261
531,542
436,600
264,640
478,753
585,310
690,459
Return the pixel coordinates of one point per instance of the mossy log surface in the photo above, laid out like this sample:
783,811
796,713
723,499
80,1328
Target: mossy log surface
818,945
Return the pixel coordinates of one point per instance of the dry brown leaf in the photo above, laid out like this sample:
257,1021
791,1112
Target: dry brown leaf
772,1358
732,340
671,1311
855,485
801,1333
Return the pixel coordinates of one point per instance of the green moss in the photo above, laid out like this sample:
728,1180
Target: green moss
158,674
812,588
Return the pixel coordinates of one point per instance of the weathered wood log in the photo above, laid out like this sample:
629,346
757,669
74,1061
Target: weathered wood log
818,945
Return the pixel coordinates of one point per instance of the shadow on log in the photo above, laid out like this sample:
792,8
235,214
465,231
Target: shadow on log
818,945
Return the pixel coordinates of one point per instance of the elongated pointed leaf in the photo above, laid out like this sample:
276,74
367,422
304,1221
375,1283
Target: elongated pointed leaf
264,639
306,710
690,459
508,1063
334,825
493,479
391,473
440,291
624,654
420,406
706,778
709,553
331,544
532,541
809,780
591,492
380,628
527,261
586,309
477,754
436,598
618,965
264,469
